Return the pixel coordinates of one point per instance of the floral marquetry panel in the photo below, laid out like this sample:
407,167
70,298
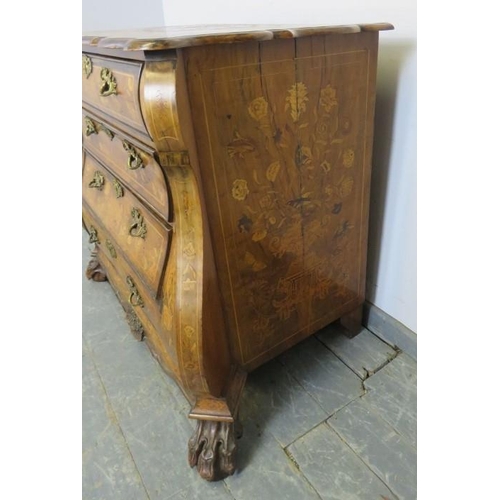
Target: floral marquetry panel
286,157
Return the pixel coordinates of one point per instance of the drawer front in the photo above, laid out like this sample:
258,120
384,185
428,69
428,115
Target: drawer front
127,160
133,293
112,86
134,231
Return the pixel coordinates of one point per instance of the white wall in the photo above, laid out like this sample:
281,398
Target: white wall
121,14
392,243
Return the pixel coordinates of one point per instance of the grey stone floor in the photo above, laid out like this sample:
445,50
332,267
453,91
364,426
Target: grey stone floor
331,418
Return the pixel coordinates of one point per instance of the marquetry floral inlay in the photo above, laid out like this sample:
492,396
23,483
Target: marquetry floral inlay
328,98
296,100
240,189
258,108
272,171
297,221
348,158
240,146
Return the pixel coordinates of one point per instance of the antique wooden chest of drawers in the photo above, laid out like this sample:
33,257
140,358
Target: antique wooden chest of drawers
226,176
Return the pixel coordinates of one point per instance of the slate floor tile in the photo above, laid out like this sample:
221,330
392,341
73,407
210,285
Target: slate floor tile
334,470
322,374
278,403
265,471
393,393
364,354
385,452
108,469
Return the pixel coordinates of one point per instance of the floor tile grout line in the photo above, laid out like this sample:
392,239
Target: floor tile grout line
322,422
374,409
116,419
297,467
340,359
361,458
402,437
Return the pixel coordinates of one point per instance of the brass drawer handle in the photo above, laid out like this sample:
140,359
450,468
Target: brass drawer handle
134,158
93,238
108,85
111,249
97,181
108,132
135,297
86,66
90,127
119,191
138,227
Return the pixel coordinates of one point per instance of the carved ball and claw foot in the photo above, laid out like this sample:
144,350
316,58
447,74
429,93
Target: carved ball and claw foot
212,448
94,270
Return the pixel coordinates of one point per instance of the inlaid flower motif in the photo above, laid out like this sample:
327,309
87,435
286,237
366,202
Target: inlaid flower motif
296,100
258,108
266,201
240,189
328,98
322,131
326,166
348,158
272,171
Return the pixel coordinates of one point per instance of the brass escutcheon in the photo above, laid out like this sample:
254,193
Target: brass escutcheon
119,192
111,248
86,65
138,227
93,238
135,297
97,181
134,158
108,85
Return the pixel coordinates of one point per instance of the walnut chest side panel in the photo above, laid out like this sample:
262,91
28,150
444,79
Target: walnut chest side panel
284,136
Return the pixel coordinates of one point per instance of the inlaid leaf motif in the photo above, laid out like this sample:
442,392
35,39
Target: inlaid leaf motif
252,262
272,171
344,187
240,189
258,108
239,146
296,100
303,156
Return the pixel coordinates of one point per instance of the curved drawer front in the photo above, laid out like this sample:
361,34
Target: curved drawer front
128,161
133,229
112,87
134,297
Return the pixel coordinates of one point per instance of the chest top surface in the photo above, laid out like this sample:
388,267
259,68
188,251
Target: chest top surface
170,37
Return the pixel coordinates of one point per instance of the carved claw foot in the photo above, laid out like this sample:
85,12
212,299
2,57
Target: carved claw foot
94,270
212,449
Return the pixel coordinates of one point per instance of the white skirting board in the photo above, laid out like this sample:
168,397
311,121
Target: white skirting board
389,329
